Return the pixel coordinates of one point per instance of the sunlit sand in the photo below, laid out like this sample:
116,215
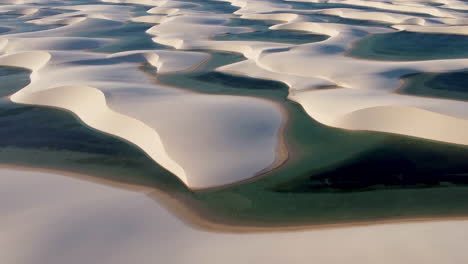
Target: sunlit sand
45,218
80,62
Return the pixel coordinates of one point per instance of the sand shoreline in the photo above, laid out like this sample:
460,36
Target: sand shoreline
282,153
190,30
144,130
194,172
189,211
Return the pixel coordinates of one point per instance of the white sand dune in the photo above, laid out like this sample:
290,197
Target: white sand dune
19,10
311,27
282,17
32,60
166,61
54,43
151,19
58,21
400,6
234,138
213,140
373,16
216,139
46,219
219,140
346,101
458,30
366,109
408,121
316,65
368,86
89,104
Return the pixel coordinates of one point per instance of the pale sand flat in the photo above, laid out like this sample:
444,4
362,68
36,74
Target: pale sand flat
46,219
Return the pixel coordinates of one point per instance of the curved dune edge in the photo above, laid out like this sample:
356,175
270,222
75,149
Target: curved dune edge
457,30
311,27
90,105
408,121
429,10
109,225
331,68
354,119
183,28
58,21
403,120
373,16
396,119
56,77
191,213
91,108
31,60
168,61
282,17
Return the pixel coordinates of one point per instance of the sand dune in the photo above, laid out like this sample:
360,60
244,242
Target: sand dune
32,60
91,106
459,30
373,16
156,19
116,226
53,43
119,99
368,86
308,27
212,140
309,66
282,17
166,61
231,138
401,7
408,121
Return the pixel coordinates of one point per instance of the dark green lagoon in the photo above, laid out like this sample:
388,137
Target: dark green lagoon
328,177
261,32
410,46
448,85
331,175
